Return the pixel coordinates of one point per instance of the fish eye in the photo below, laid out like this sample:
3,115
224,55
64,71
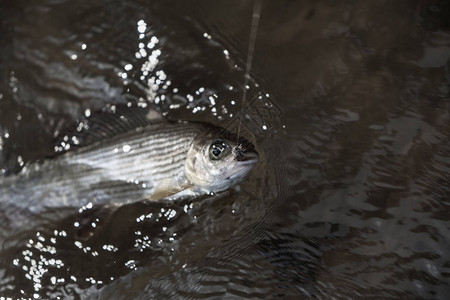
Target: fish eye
217,149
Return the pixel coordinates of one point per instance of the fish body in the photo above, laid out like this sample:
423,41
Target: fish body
157,161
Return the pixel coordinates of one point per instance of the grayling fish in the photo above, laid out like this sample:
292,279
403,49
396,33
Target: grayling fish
162,160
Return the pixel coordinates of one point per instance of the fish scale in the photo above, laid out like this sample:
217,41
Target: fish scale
98,174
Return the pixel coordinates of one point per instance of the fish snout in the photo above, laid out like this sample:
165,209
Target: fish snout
247,156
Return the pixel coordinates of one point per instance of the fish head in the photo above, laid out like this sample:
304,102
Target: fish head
218,159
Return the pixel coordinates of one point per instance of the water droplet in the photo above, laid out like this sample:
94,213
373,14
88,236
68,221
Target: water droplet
142,28
20,160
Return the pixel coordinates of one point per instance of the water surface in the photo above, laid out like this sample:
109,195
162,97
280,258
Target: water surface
348,104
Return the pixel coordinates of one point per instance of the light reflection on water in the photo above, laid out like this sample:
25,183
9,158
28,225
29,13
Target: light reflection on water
347,103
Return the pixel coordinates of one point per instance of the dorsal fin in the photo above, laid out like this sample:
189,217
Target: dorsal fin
107,124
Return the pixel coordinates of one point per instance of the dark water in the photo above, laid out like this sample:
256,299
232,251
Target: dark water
349,106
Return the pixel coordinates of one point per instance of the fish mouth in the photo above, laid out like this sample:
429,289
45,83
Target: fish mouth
247,158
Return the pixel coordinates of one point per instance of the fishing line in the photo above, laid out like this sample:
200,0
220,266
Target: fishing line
257,7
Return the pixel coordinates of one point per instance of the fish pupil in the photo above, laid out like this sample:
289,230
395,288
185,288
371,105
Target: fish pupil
217,149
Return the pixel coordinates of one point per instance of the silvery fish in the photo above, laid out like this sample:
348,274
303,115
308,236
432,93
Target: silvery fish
159,160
